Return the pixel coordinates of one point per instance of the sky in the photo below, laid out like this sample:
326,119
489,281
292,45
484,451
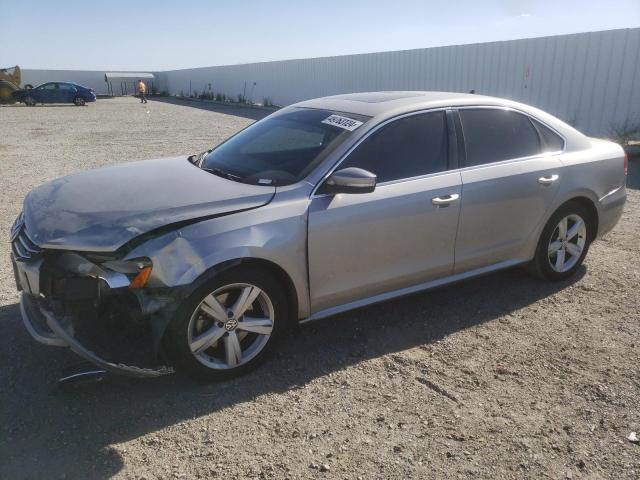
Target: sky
161,35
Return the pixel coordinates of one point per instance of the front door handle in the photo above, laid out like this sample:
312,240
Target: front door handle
548,180
446,200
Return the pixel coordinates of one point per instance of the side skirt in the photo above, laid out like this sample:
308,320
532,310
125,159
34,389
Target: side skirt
329,312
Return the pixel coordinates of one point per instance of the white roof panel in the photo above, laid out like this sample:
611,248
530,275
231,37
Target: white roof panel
127,76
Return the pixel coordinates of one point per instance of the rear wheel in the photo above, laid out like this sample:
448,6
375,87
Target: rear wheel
227,327
564,242
29,101
79,101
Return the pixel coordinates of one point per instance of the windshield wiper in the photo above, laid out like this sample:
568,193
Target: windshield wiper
196,159
221,173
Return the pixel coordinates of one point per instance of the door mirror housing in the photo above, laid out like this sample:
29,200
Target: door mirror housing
350,180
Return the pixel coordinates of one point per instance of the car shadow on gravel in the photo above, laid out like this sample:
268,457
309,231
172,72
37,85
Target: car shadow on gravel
244,112
51,432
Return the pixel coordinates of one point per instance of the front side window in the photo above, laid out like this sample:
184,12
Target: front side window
409,147
283,148
494,135
49,86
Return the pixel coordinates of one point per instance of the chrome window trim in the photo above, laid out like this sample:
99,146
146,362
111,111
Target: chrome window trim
510,160
516,159
460,168
367,135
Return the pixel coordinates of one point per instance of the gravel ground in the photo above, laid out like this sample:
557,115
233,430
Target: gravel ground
498,377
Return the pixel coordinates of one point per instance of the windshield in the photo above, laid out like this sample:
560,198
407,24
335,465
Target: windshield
283,148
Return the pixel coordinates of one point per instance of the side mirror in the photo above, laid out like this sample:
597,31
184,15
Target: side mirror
350,180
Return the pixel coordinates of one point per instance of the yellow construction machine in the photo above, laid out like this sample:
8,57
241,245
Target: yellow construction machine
9,83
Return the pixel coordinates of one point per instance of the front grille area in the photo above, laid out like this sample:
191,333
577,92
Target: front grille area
23,247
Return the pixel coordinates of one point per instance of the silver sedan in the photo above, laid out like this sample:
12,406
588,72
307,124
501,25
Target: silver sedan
324,206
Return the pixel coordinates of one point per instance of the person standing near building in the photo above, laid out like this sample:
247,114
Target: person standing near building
142,89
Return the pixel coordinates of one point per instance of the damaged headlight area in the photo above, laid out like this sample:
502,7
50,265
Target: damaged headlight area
137,270
98,305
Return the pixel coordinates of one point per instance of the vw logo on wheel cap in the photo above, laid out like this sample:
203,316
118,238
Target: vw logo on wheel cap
231,324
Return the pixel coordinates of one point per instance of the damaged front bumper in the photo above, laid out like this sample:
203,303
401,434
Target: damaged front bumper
36,317
69,301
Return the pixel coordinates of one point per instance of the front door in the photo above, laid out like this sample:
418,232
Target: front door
400,235
46,93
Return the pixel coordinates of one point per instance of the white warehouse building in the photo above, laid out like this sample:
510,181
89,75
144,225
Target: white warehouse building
591,80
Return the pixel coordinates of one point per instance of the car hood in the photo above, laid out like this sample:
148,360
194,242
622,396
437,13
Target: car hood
101,210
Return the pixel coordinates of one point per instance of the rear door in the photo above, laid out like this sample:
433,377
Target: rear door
510,176
66,93
362,245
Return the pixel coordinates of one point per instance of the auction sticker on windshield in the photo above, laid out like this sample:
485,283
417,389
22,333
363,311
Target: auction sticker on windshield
342,122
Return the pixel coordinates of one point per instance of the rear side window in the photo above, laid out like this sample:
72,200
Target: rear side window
493,135
551,141
408,147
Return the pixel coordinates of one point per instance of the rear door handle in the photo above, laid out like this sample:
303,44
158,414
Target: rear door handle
548,180
446,200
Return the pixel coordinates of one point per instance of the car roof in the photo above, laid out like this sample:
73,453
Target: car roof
383,105
377,103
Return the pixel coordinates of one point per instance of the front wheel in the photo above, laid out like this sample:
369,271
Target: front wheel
227,326
79,101
564,243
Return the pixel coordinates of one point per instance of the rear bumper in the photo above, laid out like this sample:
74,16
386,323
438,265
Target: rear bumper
611,208
55,329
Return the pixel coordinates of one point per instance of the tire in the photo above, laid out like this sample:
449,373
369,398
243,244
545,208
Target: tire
29,101
79,101
204,345
557,256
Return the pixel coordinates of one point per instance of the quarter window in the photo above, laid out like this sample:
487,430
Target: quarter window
493,135
409,147
551,141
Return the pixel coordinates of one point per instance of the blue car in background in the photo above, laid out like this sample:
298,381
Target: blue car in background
55,92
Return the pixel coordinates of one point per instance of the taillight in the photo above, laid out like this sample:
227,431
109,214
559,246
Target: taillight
626,162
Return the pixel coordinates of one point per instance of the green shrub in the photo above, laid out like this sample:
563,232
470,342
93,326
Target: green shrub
625,133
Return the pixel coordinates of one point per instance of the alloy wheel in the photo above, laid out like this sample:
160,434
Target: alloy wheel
567,243
79,101
231,326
